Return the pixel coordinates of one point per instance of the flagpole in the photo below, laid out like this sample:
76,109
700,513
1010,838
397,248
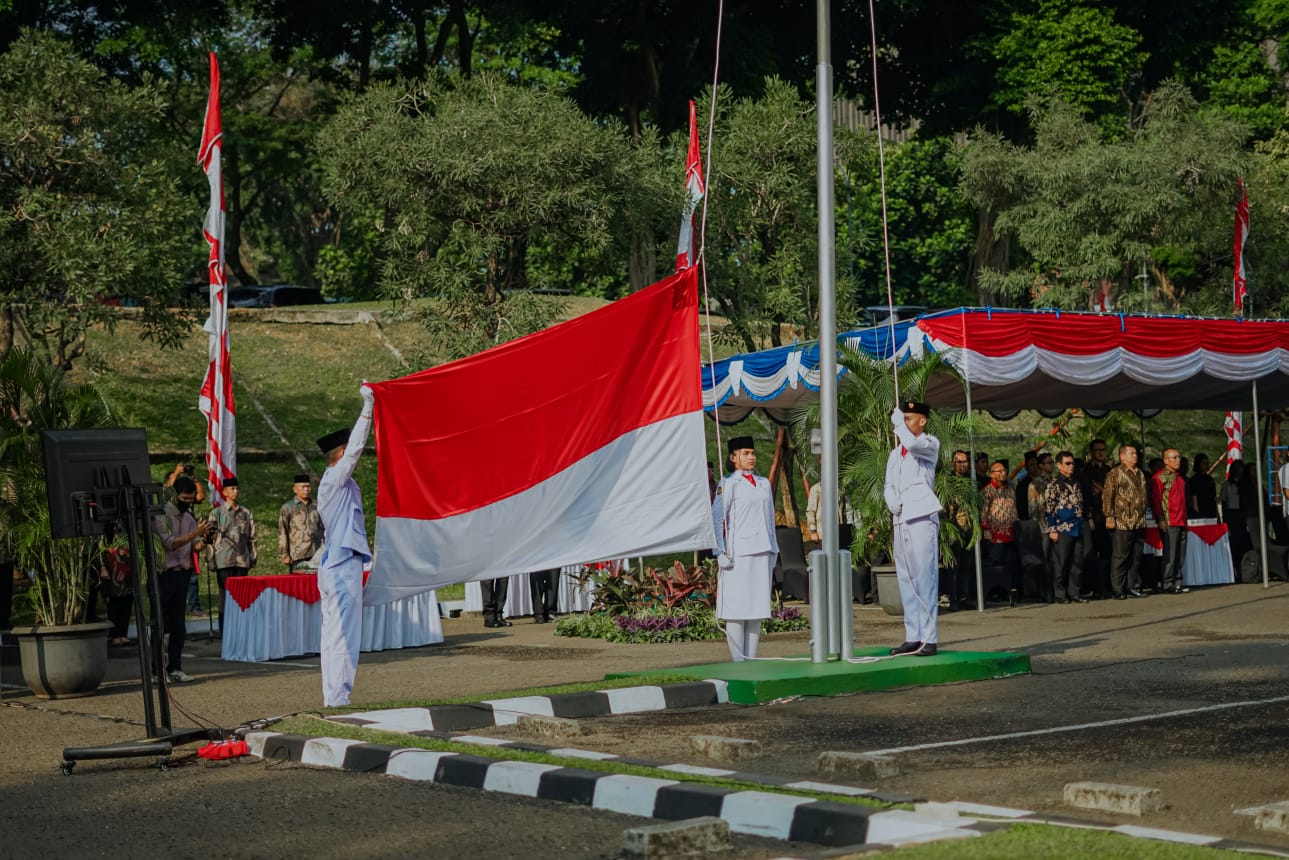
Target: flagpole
828,334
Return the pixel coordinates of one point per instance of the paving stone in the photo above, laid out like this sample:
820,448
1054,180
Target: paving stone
550,727
725,749
695,837
1125,799
851,765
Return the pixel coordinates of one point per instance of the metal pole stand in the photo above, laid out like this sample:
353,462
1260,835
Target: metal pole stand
819,620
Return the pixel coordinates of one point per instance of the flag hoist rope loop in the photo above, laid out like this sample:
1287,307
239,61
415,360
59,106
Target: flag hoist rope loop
881,169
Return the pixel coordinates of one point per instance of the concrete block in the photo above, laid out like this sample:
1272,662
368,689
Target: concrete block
1124,799
1273,817
550,727
695,837
725,749
851,765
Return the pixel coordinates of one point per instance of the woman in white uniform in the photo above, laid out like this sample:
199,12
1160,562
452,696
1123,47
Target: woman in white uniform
743,514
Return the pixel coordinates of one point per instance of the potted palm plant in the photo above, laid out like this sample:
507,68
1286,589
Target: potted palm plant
865,398
61,655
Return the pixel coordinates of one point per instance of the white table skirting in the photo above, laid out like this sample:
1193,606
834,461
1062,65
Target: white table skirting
519,599
1205,563
277,626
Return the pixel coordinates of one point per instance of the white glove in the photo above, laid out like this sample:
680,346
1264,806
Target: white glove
897,417
895,511
369,396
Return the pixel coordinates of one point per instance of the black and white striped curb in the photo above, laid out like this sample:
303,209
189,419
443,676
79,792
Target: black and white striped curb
758,813
391,722
506,712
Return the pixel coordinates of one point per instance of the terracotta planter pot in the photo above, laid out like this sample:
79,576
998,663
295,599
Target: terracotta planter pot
62,662
888,590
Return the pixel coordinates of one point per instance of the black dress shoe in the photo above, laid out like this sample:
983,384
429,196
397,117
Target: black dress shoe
541,621
906,648
1137,593
1121,597
501,622
1080,600
928,649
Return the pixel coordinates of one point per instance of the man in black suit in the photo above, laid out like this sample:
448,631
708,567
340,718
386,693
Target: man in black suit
544,586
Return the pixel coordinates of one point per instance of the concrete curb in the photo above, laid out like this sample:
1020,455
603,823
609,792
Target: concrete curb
757,813
506,712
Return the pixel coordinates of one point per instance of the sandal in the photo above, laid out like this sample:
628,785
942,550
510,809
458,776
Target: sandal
120,641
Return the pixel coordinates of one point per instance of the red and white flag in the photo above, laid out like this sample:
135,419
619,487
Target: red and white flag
1234,438
1240,286
581,442
687,249
216,400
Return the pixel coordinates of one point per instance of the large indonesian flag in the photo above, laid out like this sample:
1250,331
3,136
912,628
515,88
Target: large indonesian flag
581,442
216,398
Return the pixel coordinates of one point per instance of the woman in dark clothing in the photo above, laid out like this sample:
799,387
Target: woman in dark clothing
1201,491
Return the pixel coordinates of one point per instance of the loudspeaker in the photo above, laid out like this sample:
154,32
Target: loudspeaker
1251,564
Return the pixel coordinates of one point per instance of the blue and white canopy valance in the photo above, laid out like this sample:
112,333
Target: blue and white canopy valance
775,380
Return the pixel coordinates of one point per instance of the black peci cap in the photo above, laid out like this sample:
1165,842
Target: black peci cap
738,443
334,440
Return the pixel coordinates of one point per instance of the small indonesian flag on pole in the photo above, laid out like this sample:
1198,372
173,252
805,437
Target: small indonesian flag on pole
687,249
594,453
1234,438
1240,286
216,400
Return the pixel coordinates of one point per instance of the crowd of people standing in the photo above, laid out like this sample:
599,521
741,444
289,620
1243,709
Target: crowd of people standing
1069,529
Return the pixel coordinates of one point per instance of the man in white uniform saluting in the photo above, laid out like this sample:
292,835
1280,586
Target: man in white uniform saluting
915,514
743,514
340,572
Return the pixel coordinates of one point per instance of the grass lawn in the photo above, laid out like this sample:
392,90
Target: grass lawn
1048,842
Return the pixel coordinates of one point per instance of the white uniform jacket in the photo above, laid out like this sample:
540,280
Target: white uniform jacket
750,525
910,475
340,502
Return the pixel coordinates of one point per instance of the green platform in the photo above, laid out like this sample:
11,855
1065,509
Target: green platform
757,681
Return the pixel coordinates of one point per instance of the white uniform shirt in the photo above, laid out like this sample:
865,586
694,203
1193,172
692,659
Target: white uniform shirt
340,502
910,475
751,520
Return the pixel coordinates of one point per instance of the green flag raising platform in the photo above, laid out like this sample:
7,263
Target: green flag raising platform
755,681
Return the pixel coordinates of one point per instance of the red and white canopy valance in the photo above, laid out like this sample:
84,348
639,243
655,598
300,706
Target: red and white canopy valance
1017,359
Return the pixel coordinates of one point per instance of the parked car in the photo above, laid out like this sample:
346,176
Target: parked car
275,296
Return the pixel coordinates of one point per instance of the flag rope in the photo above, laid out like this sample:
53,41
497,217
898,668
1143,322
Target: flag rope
881,170
701,255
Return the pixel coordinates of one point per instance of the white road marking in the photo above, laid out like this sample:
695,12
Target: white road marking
1056,730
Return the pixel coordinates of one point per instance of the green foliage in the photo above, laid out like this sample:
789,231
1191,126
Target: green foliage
762,223
690,622
36,396
89,206
469,174
1076,49
932,225
865,400
1081,209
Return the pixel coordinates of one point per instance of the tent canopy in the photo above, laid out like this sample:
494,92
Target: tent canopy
1047,360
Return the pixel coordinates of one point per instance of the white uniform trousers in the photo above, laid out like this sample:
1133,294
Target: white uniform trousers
341,587
917,567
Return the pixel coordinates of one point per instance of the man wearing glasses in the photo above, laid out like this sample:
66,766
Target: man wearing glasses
1063,507
1168,502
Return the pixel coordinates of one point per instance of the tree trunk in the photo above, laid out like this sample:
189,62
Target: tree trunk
233,217
992,252
641,265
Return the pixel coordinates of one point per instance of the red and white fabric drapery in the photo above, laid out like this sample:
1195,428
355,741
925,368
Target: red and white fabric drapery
216,399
